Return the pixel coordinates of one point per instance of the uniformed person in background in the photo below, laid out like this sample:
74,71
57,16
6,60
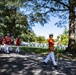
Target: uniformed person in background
11,43
18,44
6,41
1,40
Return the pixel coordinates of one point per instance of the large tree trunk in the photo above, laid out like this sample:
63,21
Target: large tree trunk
71,42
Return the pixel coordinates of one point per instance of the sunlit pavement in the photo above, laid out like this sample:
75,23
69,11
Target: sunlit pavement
32,64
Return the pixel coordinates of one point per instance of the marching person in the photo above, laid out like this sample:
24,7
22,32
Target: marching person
6,41
1,40
51,51
58,42
17,44
58,47
11,43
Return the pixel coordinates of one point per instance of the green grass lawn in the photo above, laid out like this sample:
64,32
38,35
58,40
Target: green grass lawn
43,51
36,50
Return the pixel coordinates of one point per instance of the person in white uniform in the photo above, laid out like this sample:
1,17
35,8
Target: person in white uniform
6,43
51,51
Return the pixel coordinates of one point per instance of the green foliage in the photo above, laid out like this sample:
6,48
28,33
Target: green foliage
65,37
11,20
40,39
28,36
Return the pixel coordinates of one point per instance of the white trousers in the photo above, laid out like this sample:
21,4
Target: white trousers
17,49
50,55
10,48
6,48
0,46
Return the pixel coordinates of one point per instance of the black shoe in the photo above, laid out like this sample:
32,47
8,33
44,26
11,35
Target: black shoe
10,51
55,66
45,63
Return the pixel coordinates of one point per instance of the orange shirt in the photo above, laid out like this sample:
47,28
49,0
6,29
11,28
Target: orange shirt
12,41
6,40
17,42
51,44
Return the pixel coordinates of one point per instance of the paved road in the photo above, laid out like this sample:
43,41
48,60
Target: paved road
32,64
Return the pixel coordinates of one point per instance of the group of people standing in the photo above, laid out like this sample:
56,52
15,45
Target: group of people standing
8,42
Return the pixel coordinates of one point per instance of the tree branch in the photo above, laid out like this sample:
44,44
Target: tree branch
62,3
53,9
